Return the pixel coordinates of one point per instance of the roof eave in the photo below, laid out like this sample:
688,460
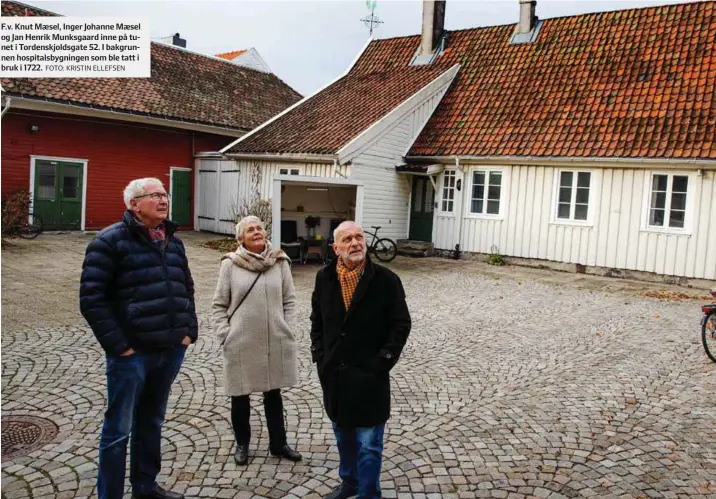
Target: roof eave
570,161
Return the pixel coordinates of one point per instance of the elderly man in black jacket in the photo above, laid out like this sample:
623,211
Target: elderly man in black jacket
137,295
359,325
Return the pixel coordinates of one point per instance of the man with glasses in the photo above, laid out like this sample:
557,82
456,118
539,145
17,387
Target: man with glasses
137,295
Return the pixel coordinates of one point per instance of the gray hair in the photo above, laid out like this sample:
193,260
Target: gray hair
138,187
342,227
241,226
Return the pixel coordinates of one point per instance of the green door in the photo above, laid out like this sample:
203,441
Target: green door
181,197
421,210
58,194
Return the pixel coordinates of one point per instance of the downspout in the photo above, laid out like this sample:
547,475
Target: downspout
456,253
6,108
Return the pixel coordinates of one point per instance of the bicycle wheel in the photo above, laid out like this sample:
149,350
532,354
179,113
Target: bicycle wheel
385,250
29,230
708,336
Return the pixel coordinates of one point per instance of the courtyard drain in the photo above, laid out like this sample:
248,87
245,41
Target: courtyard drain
24,434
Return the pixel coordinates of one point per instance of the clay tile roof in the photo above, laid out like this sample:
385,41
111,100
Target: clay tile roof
230,56
631,83
184,86
330,119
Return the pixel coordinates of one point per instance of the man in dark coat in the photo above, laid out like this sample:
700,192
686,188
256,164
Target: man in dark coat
359,325
137,295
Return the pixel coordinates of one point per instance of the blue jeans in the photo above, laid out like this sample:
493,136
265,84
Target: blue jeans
137,392
361,455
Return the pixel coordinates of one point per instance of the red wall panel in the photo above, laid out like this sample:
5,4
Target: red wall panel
117,152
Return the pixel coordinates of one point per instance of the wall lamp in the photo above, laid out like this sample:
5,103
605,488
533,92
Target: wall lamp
34,128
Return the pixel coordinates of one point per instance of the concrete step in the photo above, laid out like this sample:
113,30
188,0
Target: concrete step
419,249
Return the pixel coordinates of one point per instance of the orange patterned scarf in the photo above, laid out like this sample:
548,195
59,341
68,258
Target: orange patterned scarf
348,278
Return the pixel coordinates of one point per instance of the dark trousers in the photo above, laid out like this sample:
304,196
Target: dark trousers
273,406
361,455
137,392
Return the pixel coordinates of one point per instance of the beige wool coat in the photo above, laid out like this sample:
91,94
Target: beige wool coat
258,344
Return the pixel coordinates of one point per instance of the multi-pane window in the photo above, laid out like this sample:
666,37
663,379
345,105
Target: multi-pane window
448,200
285,171
486,192
573,195
667,206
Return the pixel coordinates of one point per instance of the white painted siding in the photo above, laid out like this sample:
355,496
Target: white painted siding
269,170
387,194
616,238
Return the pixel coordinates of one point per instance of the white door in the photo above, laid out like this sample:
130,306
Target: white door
218,195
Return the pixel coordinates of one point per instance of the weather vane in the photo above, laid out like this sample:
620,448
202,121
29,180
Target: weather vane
372,20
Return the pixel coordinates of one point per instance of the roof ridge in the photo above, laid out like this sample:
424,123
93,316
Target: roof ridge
586,14
27,6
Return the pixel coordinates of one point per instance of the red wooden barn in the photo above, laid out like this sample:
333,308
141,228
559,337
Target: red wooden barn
75,143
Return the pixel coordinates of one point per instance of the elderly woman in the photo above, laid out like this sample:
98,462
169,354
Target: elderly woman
253,313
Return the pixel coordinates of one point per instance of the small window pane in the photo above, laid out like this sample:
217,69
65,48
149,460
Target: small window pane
565,194
659,183
582,196
678,201
583,179
493,207
478,191
476,206
495,178
294,172
70,177
680,183
46,181
478,178
656,217
418,200
563,210
566,179
493,192
676,219
658,200
283,171
580,212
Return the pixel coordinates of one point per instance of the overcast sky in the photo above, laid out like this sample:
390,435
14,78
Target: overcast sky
309,43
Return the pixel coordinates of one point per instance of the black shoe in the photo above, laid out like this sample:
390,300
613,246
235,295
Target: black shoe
342,492
241,456
288,453
159,493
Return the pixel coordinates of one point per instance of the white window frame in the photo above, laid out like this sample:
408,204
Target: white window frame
592,204
689,209
449,213
289,170
504,185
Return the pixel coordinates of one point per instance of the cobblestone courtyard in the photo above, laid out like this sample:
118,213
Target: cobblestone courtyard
514,383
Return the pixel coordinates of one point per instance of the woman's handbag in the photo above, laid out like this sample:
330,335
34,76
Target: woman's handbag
247,294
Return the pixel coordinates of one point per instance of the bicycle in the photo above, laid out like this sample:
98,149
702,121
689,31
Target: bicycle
26,229
708,328
384,249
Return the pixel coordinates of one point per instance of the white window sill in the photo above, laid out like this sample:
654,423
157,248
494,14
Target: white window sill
481,216
446,214
667,231
573,223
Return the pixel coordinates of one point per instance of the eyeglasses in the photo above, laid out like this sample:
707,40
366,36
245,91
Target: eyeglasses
156,196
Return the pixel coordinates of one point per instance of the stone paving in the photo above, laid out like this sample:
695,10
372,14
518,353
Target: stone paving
515,383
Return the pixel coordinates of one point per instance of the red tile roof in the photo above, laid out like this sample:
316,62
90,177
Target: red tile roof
631,83
184,86
230,56
330,119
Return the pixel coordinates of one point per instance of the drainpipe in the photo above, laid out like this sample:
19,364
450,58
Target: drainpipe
7,107
456,254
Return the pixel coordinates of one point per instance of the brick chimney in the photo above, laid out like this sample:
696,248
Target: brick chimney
528,18
433,26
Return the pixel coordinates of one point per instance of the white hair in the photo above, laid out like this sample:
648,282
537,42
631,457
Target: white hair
342,227
138,187
241,226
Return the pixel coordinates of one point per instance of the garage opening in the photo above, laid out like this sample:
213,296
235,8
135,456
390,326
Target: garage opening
308,211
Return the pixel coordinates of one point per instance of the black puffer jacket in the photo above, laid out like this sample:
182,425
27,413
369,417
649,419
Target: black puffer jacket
136,293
